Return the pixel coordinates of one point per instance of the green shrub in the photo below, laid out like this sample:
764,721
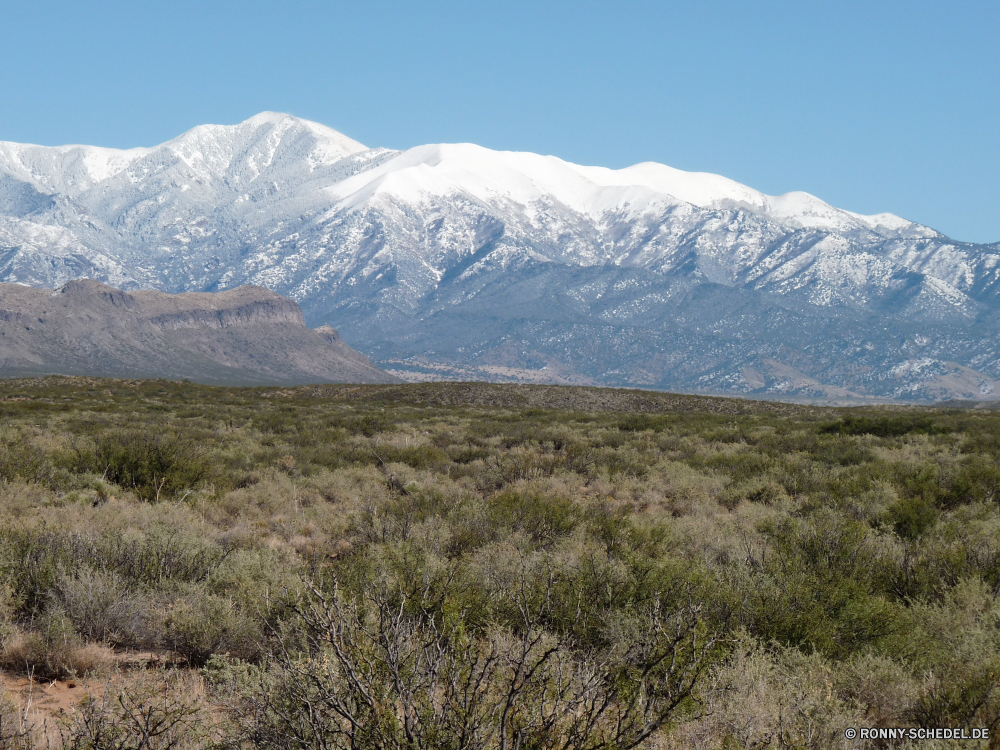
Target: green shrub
758,490
541,517
261,582
639,422
198,625
976,479
883,426
21,460
145,461
466,454
368,425
912,517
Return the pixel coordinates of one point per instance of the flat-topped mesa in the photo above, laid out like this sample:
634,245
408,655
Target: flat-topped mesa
243,306
248,335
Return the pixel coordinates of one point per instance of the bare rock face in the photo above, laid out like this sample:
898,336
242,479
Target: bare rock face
244,336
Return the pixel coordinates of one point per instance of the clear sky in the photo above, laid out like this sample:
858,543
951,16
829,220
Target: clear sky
872,106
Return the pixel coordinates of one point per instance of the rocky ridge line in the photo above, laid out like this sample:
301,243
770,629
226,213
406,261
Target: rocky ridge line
247,336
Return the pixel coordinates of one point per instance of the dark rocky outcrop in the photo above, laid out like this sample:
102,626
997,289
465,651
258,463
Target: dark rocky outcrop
244,336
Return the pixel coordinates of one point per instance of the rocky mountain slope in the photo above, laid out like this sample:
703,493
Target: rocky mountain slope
454,261
247,335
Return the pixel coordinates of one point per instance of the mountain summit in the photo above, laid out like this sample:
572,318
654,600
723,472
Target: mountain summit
458,261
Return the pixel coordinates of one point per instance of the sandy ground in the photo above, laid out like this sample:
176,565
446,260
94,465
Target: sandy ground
46,698
43,700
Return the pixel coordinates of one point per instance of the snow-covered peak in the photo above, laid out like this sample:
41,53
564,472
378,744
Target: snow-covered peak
426,173
209,152
804,211
253,145
698,188
797,210
281,145
886,222
269,118
272,126
800,210
64,168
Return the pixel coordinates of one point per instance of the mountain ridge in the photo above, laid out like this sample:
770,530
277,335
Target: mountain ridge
451,260
247,335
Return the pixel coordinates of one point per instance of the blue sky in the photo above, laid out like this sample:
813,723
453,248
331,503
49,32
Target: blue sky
886,106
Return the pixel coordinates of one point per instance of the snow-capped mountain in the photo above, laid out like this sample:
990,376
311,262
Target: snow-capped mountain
457,261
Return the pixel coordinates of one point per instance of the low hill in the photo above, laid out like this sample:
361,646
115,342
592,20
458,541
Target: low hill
244,336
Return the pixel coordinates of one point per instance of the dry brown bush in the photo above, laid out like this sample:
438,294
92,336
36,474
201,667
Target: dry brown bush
155,710
770,698
34,654
104,609
15,728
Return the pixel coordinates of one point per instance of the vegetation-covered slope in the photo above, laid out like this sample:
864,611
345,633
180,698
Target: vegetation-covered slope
456,566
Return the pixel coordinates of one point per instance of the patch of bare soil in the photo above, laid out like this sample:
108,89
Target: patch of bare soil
42,699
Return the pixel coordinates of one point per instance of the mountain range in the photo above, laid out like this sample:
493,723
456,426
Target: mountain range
455,261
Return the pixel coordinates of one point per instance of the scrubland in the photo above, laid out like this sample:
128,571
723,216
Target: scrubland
473,566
